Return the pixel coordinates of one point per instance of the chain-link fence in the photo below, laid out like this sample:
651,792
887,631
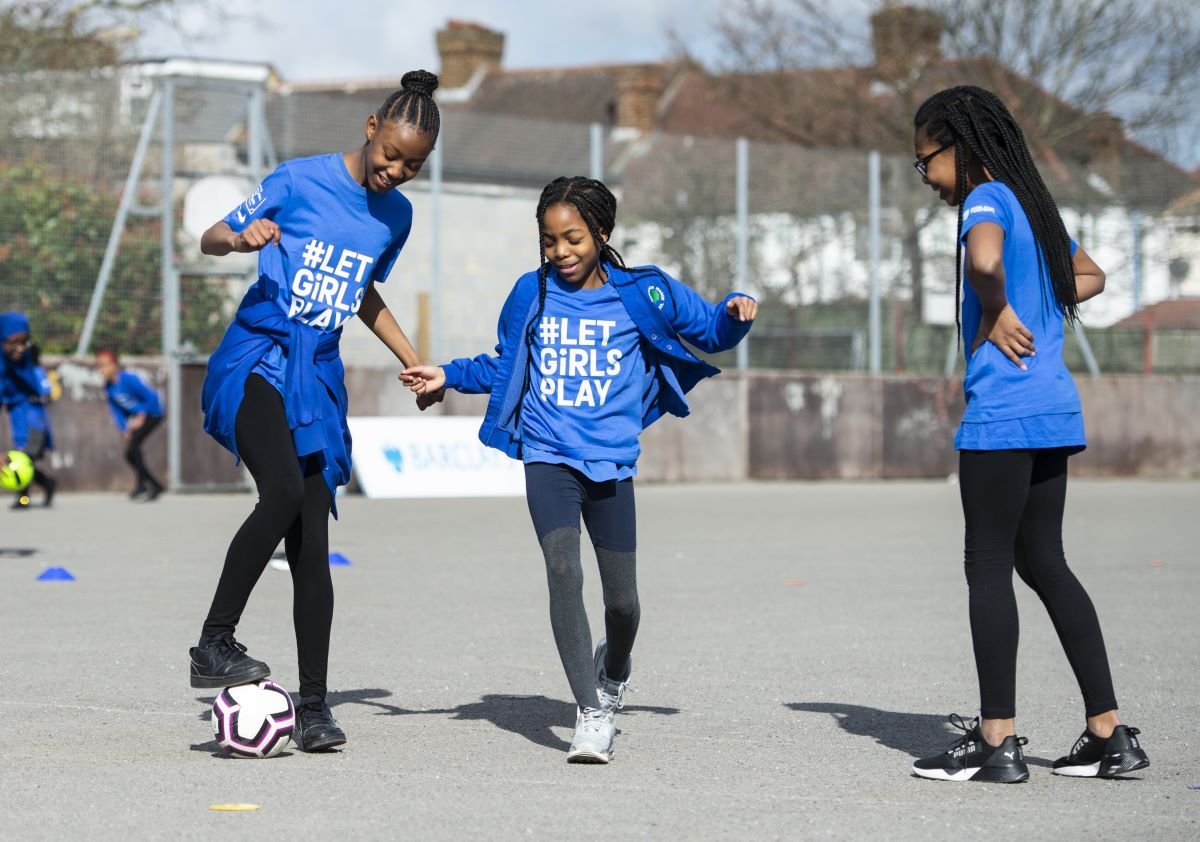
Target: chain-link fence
796,232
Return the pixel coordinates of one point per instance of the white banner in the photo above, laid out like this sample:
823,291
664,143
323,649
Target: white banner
437,456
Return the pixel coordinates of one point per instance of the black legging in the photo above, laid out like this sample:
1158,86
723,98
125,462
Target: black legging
557,496
1013,503
146,481
293,505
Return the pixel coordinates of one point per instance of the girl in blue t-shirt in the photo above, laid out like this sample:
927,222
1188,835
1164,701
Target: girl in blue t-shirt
327,230
137,411
25,391
1023,419
590,353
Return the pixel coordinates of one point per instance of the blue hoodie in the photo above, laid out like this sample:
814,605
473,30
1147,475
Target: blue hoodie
24,387
130,395
665,312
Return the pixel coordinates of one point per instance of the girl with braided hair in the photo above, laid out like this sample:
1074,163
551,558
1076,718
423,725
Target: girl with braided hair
590,353
1025,279
327,230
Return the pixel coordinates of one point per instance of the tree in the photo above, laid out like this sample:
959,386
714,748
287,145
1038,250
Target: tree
53,231
803,72
75,34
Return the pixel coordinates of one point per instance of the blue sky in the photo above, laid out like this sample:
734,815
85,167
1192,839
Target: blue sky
368,39
371,38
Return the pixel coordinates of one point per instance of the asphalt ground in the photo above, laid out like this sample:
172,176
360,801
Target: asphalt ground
800,645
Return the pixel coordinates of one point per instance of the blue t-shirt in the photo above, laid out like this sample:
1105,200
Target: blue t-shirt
336,236
583,406
131,395
1007,408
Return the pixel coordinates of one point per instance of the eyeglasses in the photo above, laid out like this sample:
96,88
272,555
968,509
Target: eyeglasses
921,165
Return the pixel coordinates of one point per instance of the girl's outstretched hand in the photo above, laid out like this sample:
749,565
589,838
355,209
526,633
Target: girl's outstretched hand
256,236
424,379
1009,335
741,308
427,381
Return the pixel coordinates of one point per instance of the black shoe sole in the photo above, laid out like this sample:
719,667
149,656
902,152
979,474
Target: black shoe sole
206,682
1009,774
323,743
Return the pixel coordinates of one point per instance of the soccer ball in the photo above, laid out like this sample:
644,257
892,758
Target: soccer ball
17,471
253,720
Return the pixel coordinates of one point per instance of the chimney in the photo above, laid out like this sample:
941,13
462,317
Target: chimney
906,39
465,47
639,90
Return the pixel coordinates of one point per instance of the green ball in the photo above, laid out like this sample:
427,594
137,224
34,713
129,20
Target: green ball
17,471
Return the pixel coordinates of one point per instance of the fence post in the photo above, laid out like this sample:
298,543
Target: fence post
118,227
596,147
170,287
743,236
435,257
874,318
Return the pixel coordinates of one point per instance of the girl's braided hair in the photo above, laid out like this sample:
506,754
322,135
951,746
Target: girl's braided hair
976,119
597,207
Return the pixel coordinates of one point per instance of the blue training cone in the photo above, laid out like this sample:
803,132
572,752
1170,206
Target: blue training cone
56,574
338,560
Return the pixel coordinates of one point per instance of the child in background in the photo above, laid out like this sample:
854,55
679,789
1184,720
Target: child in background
137,411
25,389
589,355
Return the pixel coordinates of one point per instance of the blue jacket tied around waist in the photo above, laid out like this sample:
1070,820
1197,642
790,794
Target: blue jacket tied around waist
664,311
314,391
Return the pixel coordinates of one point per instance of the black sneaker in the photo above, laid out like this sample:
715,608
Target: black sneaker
224,663
1093,757
316,729
972,759
21,503
50,485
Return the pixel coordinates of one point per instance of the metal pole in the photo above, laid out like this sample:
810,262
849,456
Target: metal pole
874,316
743,236
435,257
255,124
170,291
1135,219
118,228
597,150
1086,348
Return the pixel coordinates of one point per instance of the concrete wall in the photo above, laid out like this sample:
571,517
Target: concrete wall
767,425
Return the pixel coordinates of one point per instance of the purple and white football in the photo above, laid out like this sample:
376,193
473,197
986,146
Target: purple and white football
253,720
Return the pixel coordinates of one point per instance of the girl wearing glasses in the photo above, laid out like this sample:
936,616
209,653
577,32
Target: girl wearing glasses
1023,419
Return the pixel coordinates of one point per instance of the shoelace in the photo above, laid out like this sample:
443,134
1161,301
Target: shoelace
230,643
593,719
967,726
616,700
318,713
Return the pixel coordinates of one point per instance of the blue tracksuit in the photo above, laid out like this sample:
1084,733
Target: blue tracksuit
24,388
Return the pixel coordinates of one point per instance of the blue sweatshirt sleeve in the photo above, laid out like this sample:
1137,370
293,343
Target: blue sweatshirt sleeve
117,414
146,398
705,325
476,375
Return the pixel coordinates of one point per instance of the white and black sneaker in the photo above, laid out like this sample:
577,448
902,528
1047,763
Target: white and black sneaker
1093,757
972,759
611,693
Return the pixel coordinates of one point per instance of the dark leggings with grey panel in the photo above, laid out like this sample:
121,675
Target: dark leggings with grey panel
558,496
